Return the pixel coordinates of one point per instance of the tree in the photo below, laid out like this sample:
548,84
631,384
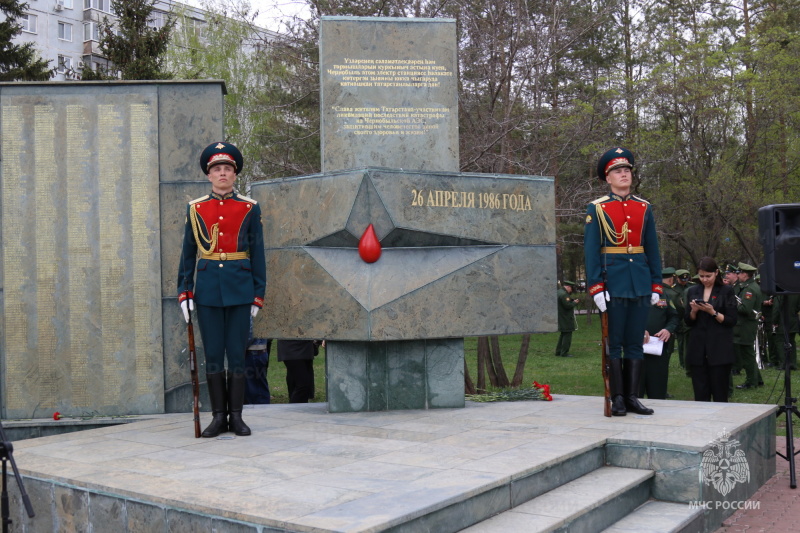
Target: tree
272,100
19,62
135,48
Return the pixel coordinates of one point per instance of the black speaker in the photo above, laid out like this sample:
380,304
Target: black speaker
779,234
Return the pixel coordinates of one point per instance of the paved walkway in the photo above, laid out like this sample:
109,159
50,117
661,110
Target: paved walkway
779,510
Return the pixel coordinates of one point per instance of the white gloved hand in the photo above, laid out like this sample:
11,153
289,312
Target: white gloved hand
254,309
186,306
600,301
654,298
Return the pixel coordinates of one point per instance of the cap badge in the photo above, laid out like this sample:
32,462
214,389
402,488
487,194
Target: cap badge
618,150
219,146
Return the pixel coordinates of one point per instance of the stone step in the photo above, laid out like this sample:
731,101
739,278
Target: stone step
660,517
588,504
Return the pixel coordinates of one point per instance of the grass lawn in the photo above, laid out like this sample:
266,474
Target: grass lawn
578,375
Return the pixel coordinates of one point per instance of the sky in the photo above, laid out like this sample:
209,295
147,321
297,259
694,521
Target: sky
270,12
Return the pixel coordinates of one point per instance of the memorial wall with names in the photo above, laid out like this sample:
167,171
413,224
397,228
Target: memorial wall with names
91,176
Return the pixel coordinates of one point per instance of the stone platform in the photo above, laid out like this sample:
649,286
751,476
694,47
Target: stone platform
482,467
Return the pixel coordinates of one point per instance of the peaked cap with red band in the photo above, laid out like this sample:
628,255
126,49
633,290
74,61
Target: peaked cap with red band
614,158
220,152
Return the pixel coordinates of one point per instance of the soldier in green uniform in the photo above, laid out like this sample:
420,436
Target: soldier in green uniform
748,298
731,277
662,320
566,318
668,280
682,332
792,303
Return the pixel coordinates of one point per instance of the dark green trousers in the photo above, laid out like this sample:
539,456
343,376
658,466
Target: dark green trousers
778,341
564,343
746,353
682,341
655,376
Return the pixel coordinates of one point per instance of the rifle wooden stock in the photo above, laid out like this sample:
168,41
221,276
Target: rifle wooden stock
195,378
606,364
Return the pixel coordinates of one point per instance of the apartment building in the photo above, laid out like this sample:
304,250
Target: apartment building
67,32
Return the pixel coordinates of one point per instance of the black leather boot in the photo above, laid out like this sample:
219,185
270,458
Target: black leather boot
236,385
632,373
615,387
218,395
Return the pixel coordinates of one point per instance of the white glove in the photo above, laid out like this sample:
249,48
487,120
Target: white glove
186,306
654,298
600,300
254,309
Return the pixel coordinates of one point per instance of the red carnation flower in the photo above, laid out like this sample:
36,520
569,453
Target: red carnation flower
56,416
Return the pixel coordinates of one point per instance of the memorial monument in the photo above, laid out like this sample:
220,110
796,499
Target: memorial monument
95,177
460,254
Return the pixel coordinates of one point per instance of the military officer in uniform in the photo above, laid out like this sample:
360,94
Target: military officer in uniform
223,242
661,322
748,299
682,332
566,318
731,278
668,282
731,275
623,271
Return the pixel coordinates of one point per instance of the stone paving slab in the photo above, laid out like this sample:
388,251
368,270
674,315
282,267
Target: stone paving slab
305,469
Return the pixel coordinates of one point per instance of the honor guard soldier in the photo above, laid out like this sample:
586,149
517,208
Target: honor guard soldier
223,242
566,318
623,271
748,299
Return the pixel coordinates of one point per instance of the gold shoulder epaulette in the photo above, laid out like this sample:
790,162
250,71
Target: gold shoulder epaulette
246,199
639,198
199,199
600,200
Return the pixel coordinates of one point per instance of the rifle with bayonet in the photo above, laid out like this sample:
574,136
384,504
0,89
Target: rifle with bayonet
195,377
606,359
606,364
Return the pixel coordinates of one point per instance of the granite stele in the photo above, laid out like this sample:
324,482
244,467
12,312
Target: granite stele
460,254
95,178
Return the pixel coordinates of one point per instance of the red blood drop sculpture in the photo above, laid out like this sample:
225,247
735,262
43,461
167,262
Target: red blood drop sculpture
369,248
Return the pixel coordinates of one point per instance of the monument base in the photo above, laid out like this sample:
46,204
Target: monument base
395,375
506,466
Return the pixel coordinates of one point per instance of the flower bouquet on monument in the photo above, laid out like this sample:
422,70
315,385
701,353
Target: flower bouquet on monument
537,391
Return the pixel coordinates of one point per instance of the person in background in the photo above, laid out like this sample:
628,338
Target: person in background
672,296
623,274
566,318
792,303
749,299
256,362
731,278
298,357
681,334
731,275
661,322
711,315
228,287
